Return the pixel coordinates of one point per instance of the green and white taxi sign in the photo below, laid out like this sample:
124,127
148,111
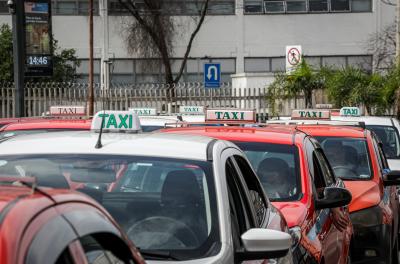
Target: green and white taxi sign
311,114
144,111
191,110
116,121
231,115
350,111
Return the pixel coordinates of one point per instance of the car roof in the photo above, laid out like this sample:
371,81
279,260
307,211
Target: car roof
369,120
333,131
83,124
83,142
279,134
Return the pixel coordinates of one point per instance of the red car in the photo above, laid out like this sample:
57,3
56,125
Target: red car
57,226
299,181
44,125
357,158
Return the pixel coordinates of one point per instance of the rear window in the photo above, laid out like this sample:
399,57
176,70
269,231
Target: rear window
277,167
349,157
390,140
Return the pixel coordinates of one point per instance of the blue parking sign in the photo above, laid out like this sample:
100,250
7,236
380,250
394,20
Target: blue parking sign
212,75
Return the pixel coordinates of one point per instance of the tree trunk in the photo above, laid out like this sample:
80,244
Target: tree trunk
308,99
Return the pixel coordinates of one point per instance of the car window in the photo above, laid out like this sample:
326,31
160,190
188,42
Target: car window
383,164
257,196
277,167
96,253
65,257
389,136
240,211
349,157
324,166
163,204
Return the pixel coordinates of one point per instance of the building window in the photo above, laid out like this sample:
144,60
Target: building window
74,7
277,64
306,6
361,6
340,5
318,5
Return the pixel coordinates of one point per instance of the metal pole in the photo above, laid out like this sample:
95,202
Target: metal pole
398,52
105,65
17,11
91,90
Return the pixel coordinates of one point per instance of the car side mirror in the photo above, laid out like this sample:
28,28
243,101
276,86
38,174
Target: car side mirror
391,178
261,243
333,197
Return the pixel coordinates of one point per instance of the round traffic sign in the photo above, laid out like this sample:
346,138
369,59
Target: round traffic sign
294,56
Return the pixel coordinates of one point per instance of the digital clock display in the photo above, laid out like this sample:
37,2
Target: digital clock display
38,60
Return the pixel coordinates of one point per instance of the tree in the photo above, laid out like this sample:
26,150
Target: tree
153,29
6,51
303,81
64,60
382,45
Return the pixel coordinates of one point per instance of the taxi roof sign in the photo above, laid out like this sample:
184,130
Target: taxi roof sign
67,110
116,121
144,111
324,106
191,110
350,111
232,115
311,114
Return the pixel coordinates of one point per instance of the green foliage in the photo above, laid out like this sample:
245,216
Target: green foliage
65,61
6,51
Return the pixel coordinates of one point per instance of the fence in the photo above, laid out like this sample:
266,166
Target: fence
40,96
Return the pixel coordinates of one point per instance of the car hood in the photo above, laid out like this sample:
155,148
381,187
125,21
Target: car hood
394,164
365,194
294,212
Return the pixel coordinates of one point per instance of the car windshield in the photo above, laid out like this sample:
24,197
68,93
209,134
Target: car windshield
390,140
348,157
6,134
164,205
277,167
151,128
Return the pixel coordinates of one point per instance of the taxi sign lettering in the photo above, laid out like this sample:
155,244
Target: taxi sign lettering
230,115
116,120
310,114
144,111
191,110
67,110
350,111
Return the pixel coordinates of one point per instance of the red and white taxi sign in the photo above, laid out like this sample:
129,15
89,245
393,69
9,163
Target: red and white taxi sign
230,115
311,114
67,110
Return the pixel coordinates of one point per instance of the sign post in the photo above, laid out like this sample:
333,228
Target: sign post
293,58
212,75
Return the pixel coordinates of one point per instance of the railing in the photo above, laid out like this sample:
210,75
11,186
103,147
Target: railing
40,96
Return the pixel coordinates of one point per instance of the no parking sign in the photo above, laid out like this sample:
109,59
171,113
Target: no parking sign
293,58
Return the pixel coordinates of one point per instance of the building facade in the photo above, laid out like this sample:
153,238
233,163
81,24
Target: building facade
248,37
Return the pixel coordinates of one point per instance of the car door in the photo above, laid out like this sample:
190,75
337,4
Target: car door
390,197
323,234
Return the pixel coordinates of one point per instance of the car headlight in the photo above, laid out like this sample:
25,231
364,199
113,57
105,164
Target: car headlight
367,217
295,232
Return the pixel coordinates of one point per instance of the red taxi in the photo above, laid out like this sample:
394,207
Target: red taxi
298,180
57,226
61,118
357,158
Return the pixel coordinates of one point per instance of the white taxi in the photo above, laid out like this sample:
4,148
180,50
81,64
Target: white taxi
179,197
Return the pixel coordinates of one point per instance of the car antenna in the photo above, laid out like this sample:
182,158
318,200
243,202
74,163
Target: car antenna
98,144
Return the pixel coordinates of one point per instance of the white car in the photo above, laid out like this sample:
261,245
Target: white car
178,197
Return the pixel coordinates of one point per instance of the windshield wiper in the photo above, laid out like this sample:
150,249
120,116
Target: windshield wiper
157,254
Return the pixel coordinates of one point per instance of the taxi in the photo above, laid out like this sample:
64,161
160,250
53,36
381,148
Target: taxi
297,179
43,225
179,198
356,157
61,118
